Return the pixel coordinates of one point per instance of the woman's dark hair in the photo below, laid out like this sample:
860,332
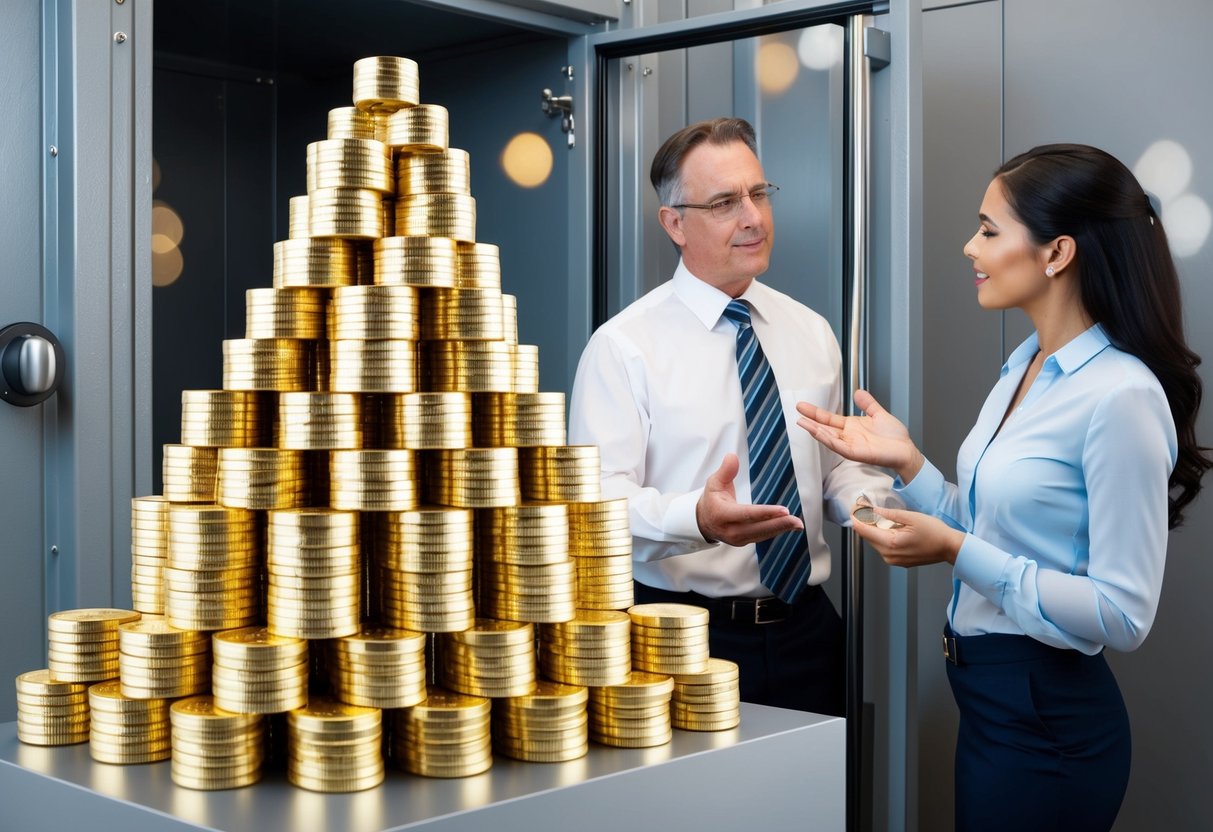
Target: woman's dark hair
1126,275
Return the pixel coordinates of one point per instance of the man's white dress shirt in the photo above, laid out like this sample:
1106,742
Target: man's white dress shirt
657,391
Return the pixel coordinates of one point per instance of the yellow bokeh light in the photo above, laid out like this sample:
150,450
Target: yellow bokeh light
162,243
776,66
166,223
167,266
527,160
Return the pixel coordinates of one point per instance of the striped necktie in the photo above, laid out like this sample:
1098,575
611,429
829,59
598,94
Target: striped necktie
783,561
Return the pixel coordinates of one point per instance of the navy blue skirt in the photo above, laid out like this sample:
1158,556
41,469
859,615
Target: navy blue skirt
1044,738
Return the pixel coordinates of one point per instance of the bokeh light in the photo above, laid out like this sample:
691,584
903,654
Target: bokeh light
166,223
820,47
166,266
776,67
1188,221
527,160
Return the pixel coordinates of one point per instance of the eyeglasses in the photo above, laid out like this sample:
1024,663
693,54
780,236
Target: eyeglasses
730,206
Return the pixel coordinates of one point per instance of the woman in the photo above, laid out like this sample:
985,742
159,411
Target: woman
1082,458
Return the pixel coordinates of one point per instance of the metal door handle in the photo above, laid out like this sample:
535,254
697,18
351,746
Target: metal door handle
31,364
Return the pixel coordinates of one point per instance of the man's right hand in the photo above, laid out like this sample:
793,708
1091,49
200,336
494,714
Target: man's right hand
721,518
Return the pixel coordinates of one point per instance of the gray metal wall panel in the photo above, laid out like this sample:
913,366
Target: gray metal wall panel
961,342
21,434
1122,77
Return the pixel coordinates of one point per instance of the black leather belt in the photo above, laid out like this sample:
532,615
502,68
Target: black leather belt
768,610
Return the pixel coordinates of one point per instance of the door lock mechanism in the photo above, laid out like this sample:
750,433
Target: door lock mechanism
560,106
31,364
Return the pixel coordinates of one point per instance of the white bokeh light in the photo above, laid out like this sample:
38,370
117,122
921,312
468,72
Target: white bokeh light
820,47
1188,221
1165,168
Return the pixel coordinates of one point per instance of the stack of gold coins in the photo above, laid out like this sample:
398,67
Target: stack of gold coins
600,543
82,645
379,667
479,266
473,477
372,480
669,638
262,478
526,368
320,264
594,648
50,712
445,172
314,564
634,714
385,84
428,421
461,315
258,672
334,747
345,213
284,313
267,364
421,129
437,215
213,577
509,319
447,735
123,730
213,748
425,569
544,593
189,474
469,366
221,419
548,725
296,224
373,366
352,123
707,701
561,474
316,421
532,534
415,261
492,659
349,163
149,553
157,661
368,313
519,420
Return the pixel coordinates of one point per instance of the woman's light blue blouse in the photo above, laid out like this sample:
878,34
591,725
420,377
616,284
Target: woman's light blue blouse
1065,507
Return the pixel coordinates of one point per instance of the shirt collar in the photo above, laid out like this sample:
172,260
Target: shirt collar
1069,358
706,302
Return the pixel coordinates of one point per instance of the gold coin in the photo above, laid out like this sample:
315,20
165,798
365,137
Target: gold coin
90,620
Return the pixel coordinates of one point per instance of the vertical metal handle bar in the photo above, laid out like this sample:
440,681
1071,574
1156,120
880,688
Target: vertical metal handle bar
857,372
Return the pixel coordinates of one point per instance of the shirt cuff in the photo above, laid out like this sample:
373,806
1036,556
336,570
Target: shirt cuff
982,566
922,492
680,520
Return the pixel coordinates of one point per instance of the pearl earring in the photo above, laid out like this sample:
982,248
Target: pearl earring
1049,271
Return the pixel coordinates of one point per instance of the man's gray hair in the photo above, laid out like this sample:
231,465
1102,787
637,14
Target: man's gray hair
666,172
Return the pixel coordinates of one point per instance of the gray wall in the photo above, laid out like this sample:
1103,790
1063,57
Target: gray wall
1000,77
21,428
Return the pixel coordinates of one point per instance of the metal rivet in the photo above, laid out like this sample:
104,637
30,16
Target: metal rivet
54,150
119,37
119,2
54,550
647,71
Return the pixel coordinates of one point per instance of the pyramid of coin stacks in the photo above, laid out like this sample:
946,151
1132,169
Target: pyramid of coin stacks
378,512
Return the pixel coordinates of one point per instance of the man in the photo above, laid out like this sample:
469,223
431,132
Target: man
658,390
